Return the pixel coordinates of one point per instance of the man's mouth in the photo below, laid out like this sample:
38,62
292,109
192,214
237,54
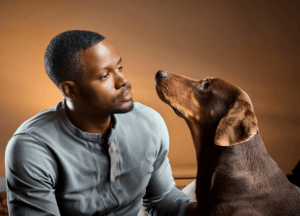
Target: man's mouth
126,94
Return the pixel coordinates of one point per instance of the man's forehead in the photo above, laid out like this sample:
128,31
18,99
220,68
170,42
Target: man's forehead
100,56
113,63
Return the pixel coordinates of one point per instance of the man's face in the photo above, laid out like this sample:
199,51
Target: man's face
104,89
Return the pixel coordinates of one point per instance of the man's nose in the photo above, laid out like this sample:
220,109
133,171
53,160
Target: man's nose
121,79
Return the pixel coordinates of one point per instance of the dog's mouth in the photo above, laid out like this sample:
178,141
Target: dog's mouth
161,94
164,99
176,110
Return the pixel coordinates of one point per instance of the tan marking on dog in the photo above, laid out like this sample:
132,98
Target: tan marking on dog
197,117
195,101
212,112
186,112
183,109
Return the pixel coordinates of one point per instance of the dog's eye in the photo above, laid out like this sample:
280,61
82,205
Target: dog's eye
206,86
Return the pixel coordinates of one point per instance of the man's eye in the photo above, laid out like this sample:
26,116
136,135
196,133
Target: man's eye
120,68
104,76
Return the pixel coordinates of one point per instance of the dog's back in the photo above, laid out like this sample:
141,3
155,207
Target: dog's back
247,181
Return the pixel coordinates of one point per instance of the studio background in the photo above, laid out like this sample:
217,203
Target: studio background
251,43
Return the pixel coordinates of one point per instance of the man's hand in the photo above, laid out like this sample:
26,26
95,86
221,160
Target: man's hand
192,210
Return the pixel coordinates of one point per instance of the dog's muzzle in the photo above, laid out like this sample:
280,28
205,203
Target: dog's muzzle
160,75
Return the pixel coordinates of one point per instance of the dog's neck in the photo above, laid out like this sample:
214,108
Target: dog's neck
220,168
209,155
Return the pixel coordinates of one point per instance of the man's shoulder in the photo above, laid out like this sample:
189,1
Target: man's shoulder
143,112
142,115
138,107
38,121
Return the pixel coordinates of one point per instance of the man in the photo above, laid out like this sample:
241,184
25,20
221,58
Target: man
96,152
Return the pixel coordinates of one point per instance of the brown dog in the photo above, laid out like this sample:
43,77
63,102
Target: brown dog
236,176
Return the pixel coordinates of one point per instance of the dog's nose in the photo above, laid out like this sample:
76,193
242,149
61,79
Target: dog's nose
161,75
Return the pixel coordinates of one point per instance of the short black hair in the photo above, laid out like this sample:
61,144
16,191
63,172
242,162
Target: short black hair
62,58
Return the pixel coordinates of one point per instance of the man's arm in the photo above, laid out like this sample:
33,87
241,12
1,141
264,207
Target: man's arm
162,197
30,174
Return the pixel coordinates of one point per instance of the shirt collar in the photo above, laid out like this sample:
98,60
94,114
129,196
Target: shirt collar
79,133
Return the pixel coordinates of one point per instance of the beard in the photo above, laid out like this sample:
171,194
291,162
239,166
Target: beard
119,98
94,105
125,109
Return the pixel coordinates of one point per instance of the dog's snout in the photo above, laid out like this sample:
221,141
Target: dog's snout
161,75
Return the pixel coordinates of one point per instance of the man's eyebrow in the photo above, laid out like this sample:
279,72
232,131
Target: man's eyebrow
120,59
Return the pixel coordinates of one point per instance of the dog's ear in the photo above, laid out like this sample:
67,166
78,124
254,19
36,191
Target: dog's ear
238,126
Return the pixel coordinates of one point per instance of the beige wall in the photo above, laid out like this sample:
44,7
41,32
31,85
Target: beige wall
252,44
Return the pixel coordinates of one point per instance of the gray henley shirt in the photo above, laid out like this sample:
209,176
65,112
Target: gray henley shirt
54,168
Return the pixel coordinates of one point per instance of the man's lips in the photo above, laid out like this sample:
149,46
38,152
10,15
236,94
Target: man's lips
126,94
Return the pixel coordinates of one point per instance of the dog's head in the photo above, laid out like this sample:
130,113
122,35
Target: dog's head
210,102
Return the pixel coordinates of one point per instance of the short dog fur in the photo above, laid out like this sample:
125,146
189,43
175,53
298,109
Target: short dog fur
236,176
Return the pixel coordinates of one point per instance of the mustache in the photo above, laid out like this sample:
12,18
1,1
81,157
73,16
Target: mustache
125,88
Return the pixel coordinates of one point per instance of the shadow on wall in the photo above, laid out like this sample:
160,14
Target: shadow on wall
295,177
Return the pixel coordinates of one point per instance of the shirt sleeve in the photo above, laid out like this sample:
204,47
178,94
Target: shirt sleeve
162,197
30,178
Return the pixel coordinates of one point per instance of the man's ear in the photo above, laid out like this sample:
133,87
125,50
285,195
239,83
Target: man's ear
238,126
68,89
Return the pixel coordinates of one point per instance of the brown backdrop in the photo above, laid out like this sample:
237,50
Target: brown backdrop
253,44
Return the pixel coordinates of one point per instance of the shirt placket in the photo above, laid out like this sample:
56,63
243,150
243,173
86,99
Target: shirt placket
114,161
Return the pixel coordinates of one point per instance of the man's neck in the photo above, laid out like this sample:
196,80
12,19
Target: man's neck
88,123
